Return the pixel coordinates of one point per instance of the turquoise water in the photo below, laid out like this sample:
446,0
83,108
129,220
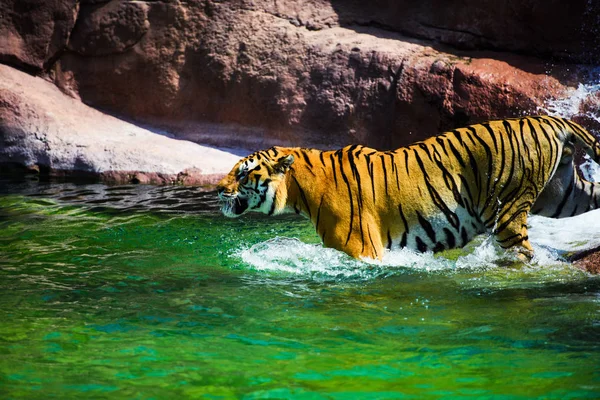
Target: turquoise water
148,293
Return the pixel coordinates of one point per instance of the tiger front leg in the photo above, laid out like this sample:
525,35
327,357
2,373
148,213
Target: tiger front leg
354,242
511,233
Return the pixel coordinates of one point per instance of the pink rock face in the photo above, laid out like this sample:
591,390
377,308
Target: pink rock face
33,33
321,73
46,131
301,73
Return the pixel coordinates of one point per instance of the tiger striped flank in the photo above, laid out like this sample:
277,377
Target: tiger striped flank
429,196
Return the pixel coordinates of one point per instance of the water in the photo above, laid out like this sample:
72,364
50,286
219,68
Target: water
144,292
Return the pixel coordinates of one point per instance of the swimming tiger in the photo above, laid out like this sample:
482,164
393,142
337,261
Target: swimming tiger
432,195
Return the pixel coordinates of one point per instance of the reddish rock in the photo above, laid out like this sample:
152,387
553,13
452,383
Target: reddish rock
547,28
553,29
288,72
33,33
45,132
588,261
315,73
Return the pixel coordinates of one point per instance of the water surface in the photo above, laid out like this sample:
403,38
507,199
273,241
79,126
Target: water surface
147,292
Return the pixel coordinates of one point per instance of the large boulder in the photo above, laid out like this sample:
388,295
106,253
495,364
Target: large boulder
50,133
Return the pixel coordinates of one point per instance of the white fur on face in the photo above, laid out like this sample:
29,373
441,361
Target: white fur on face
252,194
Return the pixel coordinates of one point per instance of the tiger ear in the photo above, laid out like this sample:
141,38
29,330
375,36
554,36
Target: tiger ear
284,163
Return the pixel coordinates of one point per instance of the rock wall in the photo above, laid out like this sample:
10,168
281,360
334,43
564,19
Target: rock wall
34,33
315,73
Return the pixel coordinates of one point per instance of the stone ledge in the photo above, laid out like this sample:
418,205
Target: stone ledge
42,129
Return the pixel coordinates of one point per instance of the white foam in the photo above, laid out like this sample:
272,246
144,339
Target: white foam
567,107
550,239
566,234
590,170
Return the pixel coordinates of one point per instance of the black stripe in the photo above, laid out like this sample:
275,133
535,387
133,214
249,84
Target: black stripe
464,237
553,158
519,239
540,153
492,135
437,198
456,153
490,158
272,209
406,228
395,169
266,182
450,240
370,168
385,177
509,131
476,175
427,227
421,246
563,201
303,197
425,148
506,239
575,210
345,178
442,144
515,214
319,213
332,158
559,121
305,156
389,240
371,240
469,201
356,175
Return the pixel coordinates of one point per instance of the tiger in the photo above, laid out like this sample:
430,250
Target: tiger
432,195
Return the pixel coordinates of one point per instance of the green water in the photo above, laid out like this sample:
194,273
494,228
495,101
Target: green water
148,293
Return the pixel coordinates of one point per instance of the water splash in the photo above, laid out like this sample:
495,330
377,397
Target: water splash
571,106
590,170
568,107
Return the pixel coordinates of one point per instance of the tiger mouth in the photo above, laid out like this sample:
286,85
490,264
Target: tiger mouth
234,206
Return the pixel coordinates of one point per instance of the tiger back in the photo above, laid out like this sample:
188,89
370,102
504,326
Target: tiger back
432,195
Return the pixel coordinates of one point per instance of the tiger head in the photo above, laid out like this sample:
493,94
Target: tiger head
255,184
